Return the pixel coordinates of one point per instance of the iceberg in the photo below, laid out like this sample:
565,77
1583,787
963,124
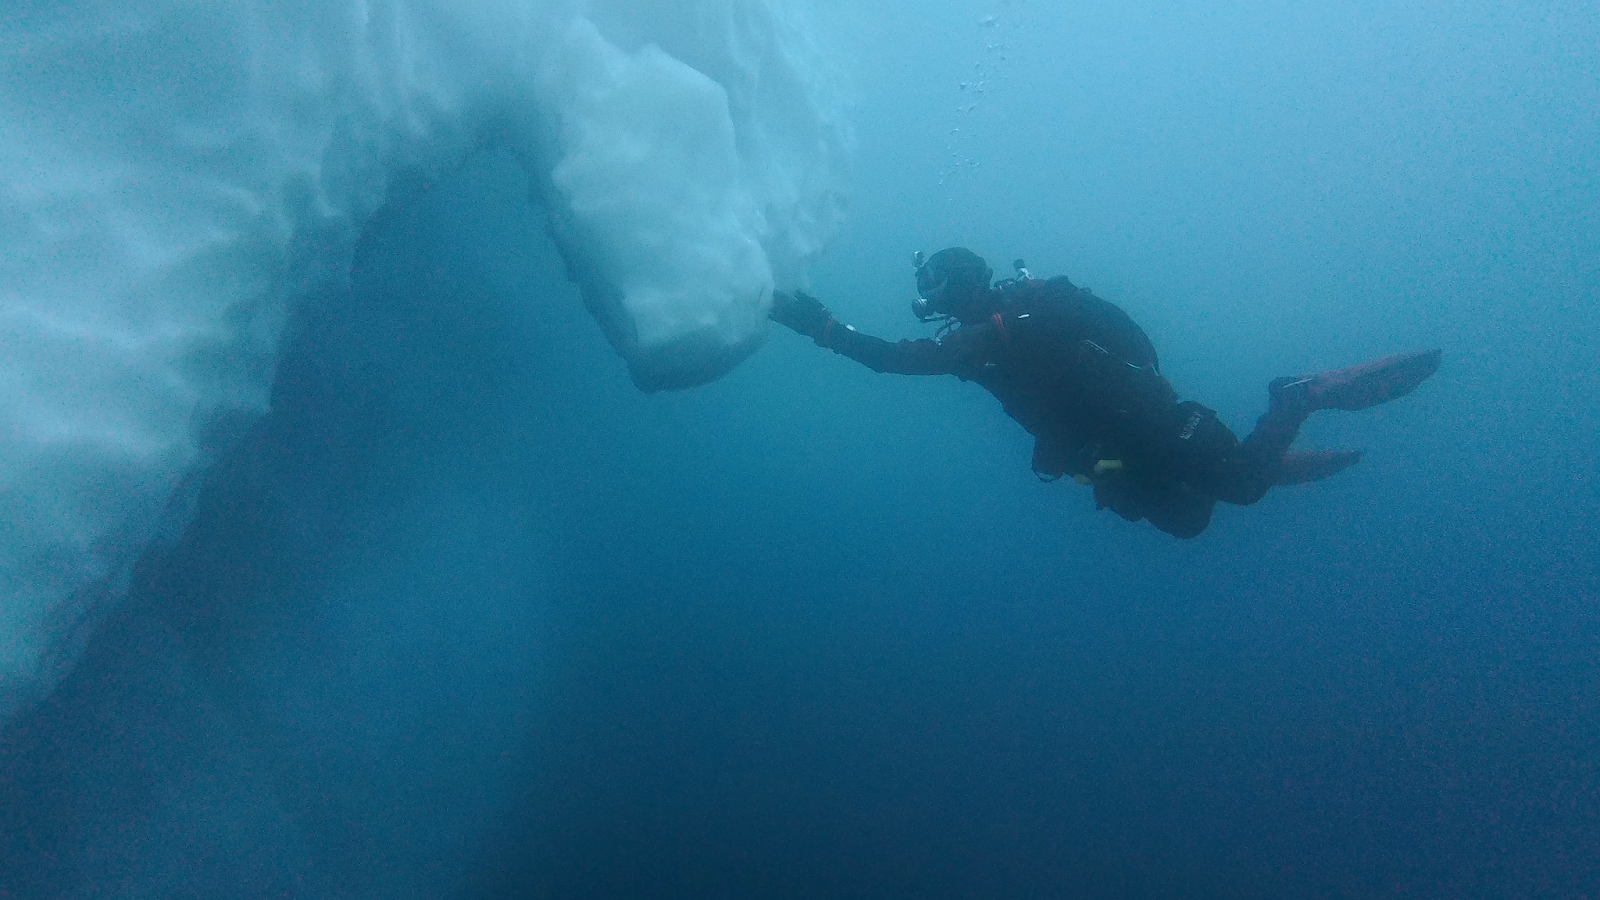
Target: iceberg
175,177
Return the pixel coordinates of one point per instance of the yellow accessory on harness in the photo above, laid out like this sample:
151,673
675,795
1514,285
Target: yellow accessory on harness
1101,469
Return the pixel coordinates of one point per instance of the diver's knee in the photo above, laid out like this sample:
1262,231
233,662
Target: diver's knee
1245,494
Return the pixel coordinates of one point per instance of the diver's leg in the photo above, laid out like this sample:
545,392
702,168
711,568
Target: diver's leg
1265,458
1262,452
1213,462
1260,461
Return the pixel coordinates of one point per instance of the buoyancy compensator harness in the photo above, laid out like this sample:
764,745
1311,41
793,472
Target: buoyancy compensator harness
1092,366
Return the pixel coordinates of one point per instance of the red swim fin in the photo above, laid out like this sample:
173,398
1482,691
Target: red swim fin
1358,387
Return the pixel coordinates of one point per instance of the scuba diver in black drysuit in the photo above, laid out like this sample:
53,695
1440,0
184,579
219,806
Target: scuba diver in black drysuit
1084,380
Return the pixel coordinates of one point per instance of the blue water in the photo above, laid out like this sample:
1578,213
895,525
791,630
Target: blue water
469,616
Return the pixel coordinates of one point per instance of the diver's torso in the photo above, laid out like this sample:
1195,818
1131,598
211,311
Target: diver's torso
1071,368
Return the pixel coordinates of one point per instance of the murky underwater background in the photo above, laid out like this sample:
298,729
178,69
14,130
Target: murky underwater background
468,615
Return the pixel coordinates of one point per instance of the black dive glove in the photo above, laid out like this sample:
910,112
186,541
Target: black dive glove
800,311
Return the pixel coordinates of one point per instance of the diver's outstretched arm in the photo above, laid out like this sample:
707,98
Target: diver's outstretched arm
806,315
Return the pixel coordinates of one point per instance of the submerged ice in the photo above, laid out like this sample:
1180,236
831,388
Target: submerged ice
173,177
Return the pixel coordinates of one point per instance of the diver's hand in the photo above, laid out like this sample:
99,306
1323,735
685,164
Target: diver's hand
800,311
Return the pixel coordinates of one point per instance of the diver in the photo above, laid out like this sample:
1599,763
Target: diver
1084,380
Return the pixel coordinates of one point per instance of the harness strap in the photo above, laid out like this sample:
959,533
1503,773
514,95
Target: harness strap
1000,326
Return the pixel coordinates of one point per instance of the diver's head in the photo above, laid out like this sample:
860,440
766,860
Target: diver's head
952,282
